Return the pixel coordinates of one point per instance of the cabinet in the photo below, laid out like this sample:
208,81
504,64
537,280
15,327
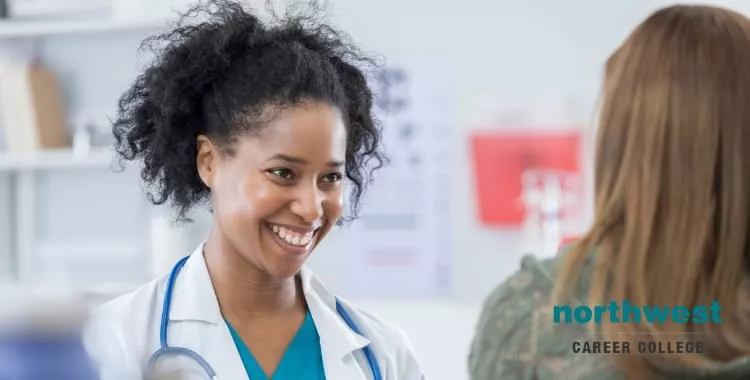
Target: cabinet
68,218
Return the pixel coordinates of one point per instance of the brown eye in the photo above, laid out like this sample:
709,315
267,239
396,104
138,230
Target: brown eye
282,172
333,177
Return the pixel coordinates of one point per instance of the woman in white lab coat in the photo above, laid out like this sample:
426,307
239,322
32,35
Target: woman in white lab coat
264,123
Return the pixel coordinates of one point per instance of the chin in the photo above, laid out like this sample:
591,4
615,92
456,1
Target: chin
285,270
284,249
283,259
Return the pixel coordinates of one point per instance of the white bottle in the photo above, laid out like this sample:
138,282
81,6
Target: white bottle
82,140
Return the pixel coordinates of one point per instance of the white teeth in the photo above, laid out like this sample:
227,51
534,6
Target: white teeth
291,237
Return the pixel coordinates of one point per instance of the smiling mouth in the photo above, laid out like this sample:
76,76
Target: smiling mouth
293,239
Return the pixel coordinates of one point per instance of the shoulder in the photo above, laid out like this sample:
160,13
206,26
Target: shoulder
516,337
138,297
526,290
511,308
132,308
506,343
120,333
536,277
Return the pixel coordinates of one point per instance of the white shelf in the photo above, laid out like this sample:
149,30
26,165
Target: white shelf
9,29
56,159
87,251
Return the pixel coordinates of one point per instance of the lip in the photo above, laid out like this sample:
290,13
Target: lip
294,250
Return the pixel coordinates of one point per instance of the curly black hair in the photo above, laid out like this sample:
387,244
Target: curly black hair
220,76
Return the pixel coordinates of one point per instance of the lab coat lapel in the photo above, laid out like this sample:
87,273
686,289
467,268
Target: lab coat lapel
341,347
196,322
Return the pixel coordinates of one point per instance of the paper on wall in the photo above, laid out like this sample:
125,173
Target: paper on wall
400,245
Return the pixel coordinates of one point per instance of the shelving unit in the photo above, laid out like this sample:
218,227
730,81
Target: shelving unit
85,251
56,159
23,175
24,172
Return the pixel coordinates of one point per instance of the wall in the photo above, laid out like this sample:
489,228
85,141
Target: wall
536,56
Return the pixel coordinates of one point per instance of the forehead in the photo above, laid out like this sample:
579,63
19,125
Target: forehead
314,132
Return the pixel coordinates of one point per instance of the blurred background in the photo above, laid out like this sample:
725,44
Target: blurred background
488,109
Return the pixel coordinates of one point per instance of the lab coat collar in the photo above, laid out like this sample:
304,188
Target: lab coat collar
194,299
335,333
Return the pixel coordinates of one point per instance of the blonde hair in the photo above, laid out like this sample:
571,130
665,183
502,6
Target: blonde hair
672,183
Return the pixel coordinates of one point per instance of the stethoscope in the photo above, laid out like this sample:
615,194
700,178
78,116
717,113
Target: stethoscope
165,349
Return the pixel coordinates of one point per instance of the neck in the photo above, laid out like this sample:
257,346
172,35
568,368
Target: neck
242,289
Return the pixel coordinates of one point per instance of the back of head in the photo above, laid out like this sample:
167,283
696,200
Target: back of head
672,183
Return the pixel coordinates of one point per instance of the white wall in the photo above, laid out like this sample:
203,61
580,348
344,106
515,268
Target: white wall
440,333
535,55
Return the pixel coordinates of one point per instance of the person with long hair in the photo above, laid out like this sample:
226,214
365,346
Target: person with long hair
671,225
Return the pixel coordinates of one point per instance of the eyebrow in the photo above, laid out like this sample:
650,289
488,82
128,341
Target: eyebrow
301,161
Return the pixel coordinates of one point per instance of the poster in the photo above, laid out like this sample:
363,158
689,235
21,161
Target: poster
500,159
400,246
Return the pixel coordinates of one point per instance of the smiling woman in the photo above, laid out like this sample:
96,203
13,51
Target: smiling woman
280,186
264,122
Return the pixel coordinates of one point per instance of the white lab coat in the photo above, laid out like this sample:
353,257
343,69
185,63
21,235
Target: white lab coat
124,333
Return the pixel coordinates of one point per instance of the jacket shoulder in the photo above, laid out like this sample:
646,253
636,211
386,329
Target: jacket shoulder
516,337
134,308
119,332
503,346
134,299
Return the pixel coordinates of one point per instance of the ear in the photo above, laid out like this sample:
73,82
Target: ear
206,160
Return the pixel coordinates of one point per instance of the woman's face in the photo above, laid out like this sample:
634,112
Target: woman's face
277,196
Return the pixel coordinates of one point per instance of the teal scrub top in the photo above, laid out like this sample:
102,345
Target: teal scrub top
302,360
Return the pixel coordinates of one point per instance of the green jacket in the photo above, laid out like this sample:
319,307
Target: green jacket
516,338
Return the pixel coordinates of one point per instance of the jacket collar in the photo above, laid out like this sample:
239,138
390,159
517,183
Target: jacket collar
194,299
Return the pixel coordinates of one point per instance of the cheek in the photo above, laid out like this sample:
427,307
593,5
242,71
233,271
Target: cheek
257,197
333,206
243,198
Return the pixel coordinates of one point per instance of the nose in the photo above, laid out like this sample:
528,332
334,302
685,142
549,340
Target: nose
308,203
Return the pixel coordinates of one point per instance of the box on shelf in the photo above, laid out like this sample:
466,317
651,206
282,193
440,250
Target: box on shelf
31,109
